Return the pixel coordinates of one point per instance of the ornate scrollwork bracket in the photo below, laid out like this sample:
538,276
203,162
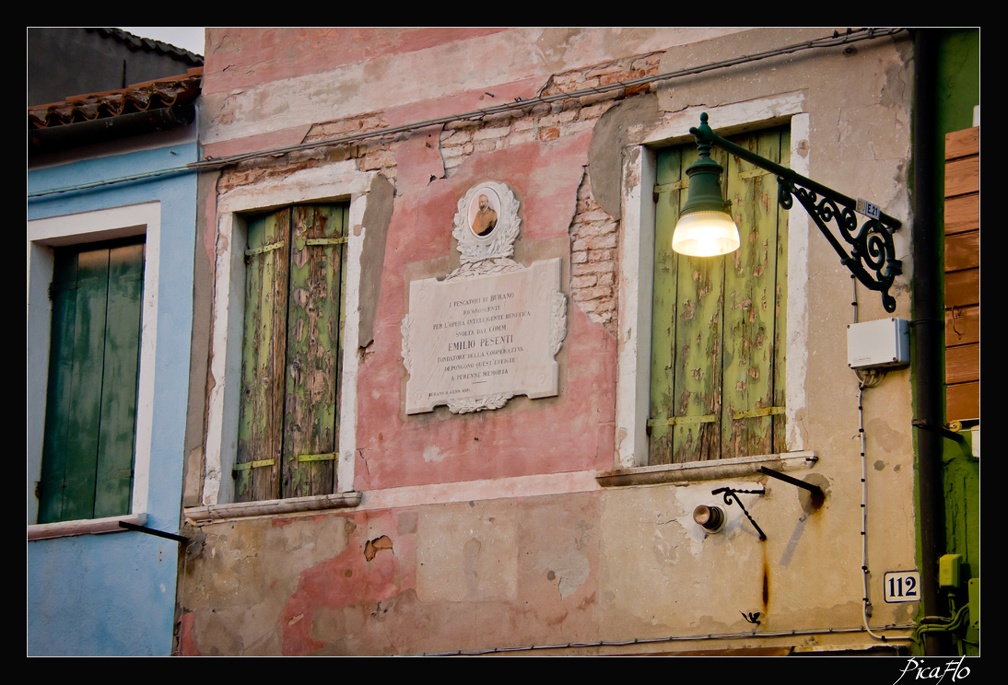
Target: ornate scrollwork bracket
871,257
872,254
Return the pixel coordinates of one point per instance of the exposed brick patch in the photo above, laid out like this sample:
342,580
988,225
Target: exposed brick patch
345,127
547,121
593,236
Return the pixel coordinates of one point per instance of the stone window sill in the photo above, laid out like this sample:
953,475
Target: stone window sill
694,471
235,510
64,529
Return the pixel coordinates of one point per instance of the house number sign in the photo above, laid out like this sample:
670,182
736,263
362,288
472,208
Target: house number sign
901,586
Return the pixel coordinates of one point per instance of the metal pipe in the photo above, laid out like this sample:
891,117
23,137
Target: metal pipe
928,325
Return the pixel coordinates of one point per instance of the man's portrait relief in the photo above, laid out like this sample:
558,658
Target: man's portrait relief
483,212
486,222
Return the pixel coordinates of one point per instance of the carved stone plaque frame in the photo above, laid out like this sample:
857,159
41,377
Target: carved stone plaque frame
491,328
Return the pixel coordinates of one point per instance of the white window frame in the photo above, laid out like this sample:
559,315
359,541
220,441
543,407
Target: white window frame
636,268
332,183
78,229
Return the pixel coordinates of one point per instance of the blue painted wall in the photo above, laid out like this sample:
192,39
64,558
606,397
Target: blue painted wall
114,594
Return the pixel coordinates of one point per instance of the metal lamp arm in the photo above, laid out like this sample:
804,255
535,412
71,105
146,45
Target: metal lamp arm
872,256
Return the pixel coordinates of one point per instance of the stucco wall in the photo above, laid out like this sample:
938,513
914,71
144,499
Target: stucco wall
114,594
489,530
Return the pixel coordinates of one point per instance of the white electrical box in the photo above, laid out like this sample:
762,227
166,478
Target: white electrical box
878,344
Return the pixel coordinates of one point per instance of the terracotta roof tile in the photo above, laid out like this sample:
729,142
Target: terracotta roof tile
140,97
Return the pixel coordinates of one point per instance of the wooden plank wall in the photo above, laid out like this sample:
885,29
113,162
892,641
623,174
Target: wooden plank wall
962,274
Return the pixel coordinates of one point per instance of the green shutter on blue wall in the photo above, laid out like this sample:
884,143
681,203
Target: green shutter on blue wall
88,444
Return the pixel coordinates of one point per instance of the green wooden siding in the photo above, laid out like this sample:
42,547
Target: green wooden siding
718,336
88,443
289,417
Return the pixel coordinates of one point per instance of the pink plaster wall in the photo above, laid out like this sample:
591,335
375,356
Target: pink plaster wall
571,432
252,56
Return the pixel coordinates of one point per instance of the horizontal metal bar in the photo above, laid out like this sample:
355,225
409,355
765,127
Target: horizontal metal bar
258,463
327,456
326,241
753,413
151,531
672,420
660,188
269,247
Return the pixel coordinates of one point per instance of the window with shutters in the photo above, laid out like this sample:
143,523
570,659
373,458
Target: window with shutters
91,399
288,423
718,324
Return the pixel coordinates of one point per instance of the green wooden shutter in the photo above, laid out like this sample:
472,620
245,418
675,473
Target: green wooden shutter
313,344
288,423
260,422
88,444
717,374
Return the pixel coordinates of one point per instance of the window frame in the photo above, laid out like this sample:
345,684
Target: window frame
76,229
338,183
636,269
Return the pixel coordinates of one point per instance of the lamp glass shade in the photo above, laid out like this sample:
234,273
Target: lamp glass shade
705,234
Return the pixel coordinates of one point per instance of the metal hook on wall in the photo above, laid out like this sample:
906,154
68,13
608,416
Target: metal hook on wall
731,495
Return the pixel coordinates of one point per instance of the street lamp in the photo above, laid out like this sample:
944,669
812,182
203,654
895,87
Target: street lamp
706,228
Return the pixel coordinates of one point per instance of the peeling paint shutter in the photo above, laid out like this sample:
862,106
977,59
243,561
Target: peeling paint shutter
88,445
288,423
717,374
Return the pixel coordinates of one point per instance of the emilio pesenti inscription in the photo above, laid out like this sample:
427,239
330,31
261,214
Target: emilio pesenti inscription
489,330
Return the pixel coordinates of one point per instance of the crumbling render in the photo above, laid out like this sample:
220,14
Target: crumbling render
372,547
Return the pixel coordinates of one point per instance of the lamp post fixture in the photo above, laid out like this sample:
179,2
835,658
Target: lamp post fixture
705,227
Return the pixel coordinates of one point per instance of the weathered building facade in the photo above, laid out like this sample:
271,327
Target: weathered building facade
342,265
111,222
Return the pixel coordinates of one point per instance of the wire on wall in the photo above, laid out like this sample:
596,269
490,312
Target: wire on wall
867,378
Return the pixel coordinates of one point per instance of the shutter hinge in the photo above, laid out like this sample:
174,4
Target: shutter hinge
683,420
249,465
269,247
660,188
755,413
326,241
327,456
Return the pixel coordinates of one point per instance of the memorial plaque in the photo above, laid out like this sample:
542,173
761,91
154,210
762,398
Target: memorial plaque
491,329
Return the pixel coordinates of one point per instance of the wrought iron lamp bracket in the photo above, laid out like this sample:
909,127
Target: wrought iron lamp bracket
872,255
730,495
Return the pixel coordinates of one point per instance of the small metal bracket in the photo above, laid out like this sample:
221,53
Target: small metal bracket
731,495
943,430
